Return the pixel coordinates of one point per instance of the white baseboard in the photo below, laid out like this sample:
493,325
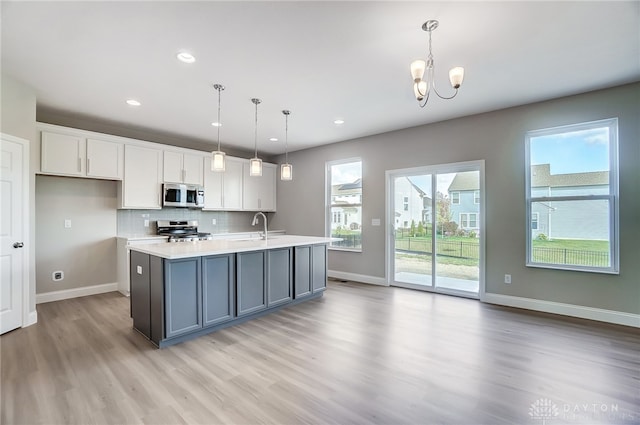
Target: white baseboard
75,292
357,277
601,315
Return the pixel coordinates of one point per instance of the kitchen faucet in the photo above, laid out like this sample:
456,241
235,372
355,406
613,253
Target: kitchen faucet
264,219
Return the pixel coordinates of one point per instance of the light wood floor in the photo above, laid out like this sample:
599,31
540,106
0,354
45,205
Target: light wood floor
360,354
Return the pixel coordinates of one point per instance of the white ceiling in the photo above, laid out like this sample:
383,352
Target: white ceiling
321,60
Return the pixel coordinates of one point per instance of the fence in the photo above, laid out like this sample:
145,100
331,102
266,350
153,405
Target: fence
573,257
348,241
471,250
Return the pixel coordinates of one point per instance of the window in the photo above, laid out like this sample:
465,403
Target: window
344,209
476,197
406,203
572,197
468,220
455,198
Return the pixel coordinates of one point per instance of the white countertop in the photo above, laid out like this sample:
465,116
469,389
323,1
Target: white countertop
177,250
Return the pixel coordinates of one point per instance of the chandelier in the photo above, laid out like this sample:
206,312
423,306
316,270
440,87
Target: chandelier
422,86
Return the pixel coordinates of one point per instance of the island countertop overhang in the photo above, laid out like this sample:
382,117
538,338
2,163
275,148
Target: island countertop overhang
172,251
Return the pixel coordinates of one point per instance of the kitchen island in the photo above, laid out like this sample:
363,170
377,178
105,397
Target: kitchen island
184,290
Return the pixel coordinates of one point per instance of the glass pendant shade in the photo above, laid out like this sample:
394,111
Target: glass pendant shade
420,89
255,167
417,69
286,172
456,75
217,161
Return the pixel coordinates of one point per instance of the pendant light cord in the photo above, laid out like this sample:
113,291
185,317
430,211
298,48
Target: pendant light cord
255,138
286,138
219,123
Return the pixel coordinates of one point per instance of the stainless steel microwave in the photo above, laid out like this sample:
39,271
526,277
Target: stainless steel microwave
182,195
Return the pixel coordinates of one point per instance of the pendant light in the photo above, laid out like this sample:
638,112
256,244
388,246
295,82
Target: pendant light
217,157
255,163
286,169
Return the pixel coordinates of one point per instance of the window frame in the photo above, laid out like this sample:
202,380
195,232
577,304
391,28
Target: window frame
476,197
457,193
612,197
329,202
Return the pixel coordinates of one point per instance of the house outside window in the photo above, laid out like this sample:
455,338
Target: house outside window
406,203
455,198
572,197
344,204
469,221
476,197
534,220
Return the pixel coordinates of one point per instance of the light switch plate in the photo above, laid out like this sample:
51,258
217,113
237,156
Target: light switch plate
375,222
67,224
139,269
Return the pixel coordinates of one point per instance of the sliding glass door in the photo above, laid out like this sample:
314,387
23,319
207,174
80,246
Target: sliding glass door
435,222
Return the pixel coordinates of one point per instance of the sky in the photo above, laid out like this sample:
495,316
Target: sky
574,152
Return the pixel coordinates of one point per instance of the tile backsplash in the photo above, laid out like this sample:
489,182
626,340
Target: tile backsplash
131,222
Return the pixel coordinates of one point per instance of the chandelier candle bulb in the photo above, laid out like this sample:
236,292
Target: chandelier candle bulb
456,75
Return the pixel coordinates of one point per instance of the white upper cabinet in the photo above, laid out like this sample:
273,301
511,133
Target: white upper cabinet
105,159
223,190
259,193
183,168
75,155
142,184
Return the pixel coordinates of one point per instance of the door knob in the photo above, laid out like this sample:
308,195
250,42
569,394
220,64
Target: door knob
18,245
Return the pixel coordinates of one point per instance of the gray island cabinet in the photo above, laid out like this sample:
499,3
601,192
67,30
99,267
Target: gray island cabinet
178,296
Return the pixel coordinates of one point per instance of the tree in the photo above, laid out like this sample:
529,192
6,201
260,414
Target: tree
420,229
412,232
443,212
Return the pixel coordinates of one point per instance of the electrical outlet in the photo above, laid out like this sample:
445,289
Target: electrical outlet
213,221
146,223
507,279
57,276
67,224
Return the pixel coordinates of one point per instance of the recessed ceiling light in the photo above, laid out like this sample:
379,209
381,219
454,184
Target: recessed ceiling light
133,102
273,139
338,122
186,57
216,124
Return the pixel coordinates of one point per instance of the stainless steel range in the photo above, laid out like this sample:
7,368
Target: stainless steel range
182,230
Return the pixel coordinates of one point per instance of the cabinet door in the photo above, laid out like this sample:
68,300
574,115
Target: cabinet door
259,192
302,271
62,154
192,169
104,159
142,176
232,185
172,166
251,288
279,281
212,186
182,297
218,279
318,268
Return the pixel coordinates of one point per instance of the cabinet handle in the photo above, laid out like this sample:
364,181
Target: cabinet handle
88,165
79,164
184,175
259,203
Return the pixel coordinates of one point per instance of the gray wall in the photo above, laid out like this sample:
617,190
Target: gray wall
498,138
86,252
18,118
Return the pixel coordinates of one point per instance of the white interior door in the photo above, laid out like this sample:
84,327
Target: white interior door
12,220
